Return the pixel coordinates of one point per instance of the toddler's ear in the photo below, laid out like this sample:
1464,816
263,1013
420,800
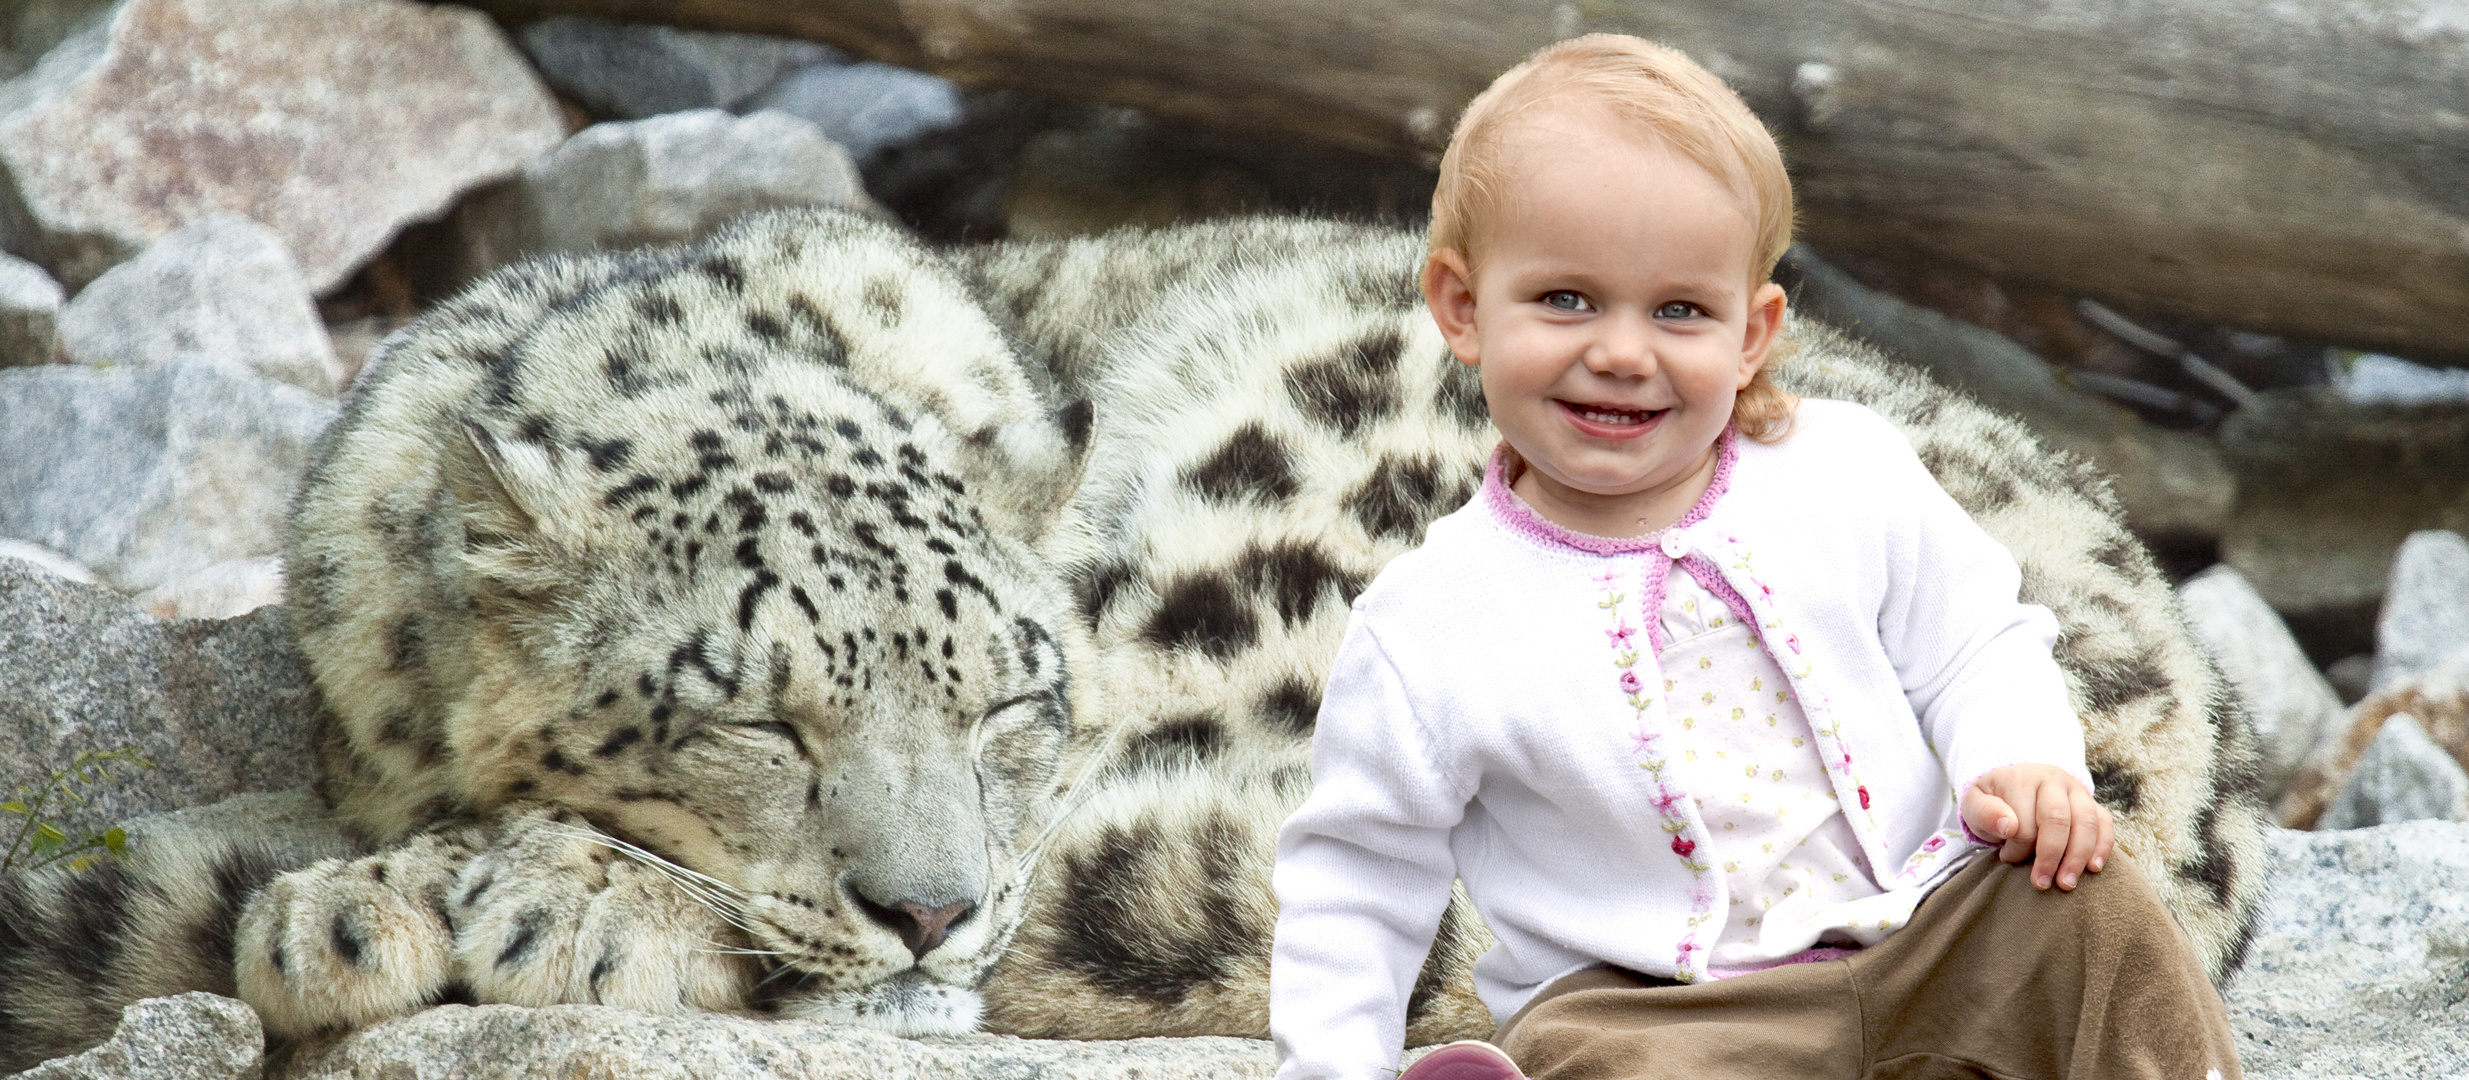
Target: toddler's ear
1764,330
1448,290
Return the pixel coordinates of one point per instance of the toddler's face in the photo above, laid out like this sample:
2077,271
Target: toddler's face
1614,320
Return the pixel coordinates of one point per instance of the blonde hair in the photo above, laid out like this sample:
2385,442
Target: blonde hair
1663,95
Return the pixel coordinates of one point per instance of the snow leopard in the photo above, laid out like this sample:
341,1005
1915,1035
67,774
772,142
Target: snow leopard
812,623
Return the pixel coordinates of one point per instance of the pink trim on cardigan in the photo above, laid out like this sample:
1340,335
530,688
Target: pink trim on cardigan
1522,519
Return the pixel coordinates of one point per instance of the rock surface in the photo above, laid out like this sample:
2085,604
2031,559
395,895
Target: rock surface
195,1036
2172,484
29,312
2402,776
665,180
866,107
334,122
221,289
632,70
2425,609
2360,964
221,706
2294,710
591,1040
149,474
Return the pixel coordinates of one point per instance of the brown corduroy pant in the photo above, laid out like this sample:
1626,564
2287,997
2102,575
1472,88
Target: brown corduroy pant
1991,978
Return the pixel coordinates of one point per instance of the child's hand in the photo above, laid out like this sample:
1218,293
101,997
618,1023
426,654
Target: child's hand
2043,813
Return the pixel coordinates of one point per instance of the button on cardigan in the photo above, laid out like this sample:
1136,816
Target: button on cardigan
1485,720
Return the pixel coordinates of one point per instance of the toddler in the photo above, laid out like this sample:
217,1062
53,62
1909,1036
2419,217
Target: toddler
1709,695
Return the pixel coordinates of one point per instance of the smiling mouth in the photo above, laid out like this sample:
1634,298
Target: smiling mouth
1608,419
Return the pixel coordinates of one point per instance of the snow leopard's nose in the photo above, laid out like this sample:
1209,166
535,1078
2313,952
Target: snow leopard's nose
920,927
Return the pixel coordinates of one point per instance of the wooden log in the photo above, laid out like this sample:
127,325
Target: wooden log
2301,169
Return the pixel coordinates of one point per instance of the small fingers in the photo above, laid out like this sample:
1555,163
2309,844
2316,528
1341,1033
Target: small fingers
2054,816
2108,837
2024,831
2084,839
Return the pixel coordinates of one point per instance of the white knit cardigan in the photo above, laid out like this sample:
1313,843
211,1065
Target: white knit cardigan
1487,719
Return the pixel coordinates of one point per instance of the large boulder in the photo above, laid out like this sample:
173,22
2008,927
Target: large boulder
147,474
2425,608
220,289
666,180
592,1040
220,706
333,122
2355,970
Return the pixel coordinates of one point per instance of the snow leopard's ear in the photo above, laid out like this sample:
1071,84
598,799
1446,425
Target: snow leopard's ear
1031,465
523,523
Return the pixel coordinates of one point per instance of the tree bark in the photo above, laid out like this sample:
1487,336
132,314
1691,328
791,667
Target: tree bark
2298,168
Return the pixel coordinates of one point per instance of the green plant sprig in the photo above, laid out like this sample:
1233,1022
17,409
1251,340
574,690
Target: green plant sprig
42,843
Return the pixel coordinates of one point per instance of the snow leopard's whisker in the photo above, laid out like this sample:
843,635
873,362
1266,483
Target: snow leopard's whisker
717,949
725,900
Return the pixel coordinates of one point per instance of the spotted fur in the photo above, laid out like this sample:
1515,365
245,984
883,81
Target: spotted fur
813,623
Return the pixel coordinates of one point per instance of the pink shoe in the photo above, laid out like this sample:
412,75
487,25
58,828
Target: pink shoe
1466,1060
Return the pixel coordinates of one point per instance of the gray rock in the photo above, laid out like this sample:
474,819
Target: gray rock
2425,610
2294,710
221,289
866,106
2171,483
2403,776
144,475
47,560
575,1040
2350,675
29,312
333,122
666,180
195,1036
631,71
2356,967
220,706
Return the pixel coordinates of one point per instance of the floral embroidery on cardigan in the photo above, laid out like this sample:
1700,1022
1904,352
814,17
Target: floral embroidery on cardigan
1669,801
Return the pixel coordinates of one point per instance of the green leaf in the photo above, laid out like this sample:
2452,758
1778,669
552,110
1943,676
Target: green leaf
115,839
81,862
13,806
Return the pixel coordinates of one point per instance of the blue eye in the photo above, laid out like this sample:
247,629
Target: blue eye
1677,309
1565,300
